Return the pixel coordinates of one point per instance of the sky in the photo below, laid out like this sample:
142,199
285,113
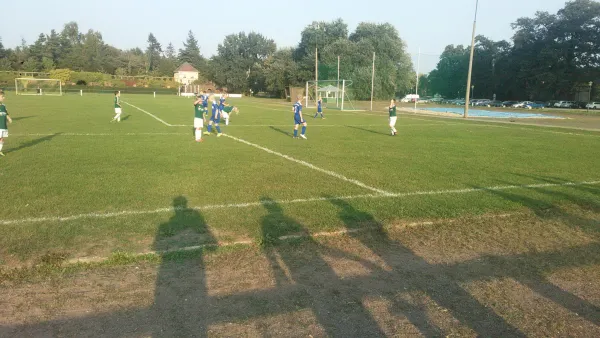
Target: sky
430,25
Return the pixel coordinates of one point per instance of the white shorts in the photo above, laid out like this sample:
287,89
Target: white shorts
225,115
393,120
198,123
117,110
3,133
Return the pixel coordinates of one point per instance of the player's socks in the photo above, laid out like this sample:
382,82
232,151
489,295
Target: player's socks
303,130
198,134
226,122
210,128
218,129
314,117
1,145
295,132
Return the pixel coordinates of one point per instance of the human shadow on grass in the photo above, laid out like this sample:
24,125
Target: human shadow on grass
32,143
125,118
20,118
368,130
531,274
338,308
280,131
181,296
422,276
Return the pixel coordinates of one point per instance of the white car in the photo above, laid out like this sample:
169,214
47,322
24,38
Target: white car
567,104
593,105
561,104
521,104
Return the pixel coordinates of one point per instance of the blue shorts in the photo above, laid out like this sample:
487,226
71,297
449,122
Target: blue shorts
320,110
298,120
216,117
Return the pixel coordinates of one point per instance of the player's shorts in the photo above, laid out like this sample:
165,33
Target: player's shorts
198,123
117,110
393,120
225,115
319,110
3,133
298,120
216,117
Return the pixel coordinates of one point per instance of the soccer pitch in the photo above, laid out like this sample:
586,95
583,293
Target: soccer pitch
77,185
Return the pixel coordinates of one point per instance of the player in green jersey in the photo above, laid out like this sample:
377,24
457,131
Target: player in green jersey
118,110
198,117
4,121
226,112
393,117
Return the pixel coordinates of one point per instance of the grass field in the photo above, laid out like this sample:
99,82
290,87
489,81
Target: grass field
78,186
451,228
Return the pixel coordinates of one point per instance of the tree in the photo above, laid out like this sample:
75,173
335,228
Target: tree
191,53
153,53
280,72
239,62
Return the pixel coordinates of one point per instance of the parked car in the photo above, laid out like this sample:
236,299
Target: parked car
593,105
521,104
564,104
507,104
495,104
483,103
535,105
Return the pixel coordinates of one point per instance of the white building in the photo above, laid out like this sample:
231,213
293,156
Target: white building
186,74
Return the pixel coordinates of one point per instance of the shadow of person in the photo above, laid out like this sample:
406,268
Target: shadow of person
125,118
180,296
426,277
32,143
280,131
337,307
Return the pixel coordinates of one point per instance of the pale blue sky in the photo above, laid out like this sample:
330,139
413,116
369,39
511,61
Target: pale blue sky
430,24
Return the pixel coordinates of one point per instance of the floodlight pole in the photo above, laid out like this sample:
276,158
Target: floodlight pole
467,97
372,81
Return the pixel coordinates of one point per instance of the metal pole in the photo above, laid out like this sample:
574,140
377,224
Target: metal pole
417,85
306,97
316,74
467,97
372,81
337,94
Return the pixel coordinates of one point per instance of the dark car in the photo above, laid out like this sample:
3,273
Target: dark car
534,105
509,104
495,104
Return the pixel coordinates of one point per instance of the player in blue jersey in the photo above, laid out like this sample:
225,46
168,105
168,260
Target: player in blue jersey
298,120
204,98
215,117
320,108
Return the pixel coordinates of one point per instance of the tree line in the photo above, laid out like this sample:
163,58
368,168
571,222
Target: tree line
550,56
244,61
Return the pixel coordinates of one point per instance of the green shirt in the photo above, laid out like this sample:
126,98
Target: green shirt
228,109
117,102
3,117
392,111
198,111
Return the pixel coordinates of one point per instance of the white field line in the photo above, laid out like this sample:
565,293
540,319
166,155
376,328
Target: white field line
306,164
293,201
153,116
99,134
292,237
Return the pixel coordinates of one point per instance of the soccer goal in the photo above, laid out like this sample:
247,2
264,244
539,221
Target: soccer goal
30,86
334,94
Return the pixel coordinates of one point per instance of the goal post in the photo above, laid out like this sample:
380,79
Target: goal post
334,93
31,86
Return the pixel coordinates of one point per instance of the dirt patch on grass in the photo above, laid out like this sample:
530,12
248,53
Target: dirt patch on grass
493,276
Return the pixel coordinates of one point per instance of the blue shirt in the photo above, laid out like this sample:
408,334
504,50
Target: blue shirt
297,108
214,107
205,101
319,108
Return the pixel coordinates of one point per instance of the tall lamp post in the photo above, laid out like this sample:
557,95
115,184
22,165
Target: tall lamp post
471,62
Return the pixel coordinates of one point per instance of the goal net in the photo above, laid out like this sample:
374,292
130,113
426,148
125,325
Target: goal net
334,93
30,86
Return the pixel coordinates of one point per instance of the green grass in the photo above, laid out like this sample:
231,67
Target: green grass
53,169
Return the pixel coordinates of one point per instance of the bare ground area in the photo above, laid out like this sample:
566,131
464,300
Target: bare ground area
527,274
